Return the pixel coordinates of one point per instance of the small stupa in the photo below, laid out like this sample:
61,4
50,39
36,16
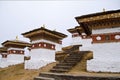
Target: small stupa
103,29
14,53
44,43
3,59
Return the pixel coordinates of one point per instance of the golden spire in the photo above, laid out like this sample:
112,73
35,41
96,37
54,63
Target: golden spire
43,25
16,38
103,9
54,30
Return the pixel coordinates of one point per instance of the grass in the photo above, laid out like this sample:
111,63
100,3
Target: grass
17,72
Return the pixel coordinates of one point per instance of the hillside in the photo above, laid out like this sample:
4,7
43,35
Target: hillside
17,72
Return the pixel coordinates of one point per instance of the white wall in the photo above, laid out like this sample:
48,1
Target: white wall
57,46
0,56
106,57
80,41
39,58
3,63
15,59
42,54
109,30
15,48
12,59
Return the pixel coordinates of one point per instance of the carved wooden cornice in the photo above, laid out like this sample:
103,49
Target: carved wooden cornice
43,30
107,19
14,43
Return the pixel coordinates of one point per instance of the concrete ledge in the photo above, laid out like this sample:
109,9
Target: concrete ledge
60,76
43,78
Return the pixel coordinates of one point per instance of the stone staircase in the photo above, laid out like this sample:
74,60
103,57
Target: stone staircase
68,63
74,56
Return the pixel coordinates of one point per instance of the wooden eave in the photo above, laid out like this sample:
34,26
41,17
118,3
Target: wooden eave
44,30
3,49
70,47
97,14
15,42
73,30
105,21
97,17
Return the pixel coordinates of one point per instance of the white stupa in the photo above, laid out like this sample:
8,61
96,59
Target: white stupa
44,44
100,33
3,55
14,53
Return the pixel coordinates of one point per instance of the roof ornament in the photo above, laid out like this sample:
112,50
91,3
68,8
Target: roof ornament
43,26
54,30
103,9
16,38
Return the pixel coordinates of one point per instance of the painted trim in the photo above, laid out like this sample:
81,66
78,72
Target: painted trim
106,37
12,51
43,45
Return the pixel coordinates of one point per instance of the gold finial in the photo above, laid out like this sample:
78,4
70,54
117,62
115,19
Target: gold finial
44,25
54,30
103,9
16,38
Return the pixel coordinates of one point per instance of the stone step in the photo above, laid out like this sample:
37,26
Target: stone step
75,55
62,67
65,64
71,60
43,78
59,70
62,76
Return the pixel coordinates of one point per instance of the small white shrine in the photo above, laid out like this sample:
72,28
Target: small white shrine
3,57
100,33
14,53
44,43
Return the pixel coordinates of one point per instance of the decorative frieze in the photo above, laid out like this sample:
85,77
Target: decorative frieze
82,36
12,51
100,17
75,35
43,45
106,37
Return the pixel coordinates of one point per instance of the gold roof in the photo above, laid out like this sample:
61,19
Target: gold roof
77,29
44,30
98,16
73,30
107,19
70,47
3,49
15,42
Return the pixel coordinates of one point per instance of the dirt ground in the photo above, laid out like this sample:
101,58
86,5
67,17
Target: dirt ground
17,72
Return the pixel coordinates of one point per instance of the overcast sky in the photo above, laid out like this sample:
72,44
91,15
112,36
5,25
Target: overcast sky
17,17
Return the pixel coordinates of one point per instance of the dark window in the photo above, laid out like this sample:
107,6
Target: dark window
107,37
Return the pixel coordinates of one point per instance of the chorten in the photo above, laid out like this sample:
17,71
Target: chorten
104,30
44,43
3,59
79,37
15,51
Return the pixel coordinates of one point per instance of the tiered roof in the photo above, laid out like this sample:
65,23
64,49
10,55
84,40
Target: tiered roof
44,31
15,43
3,49
106,19
76,30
